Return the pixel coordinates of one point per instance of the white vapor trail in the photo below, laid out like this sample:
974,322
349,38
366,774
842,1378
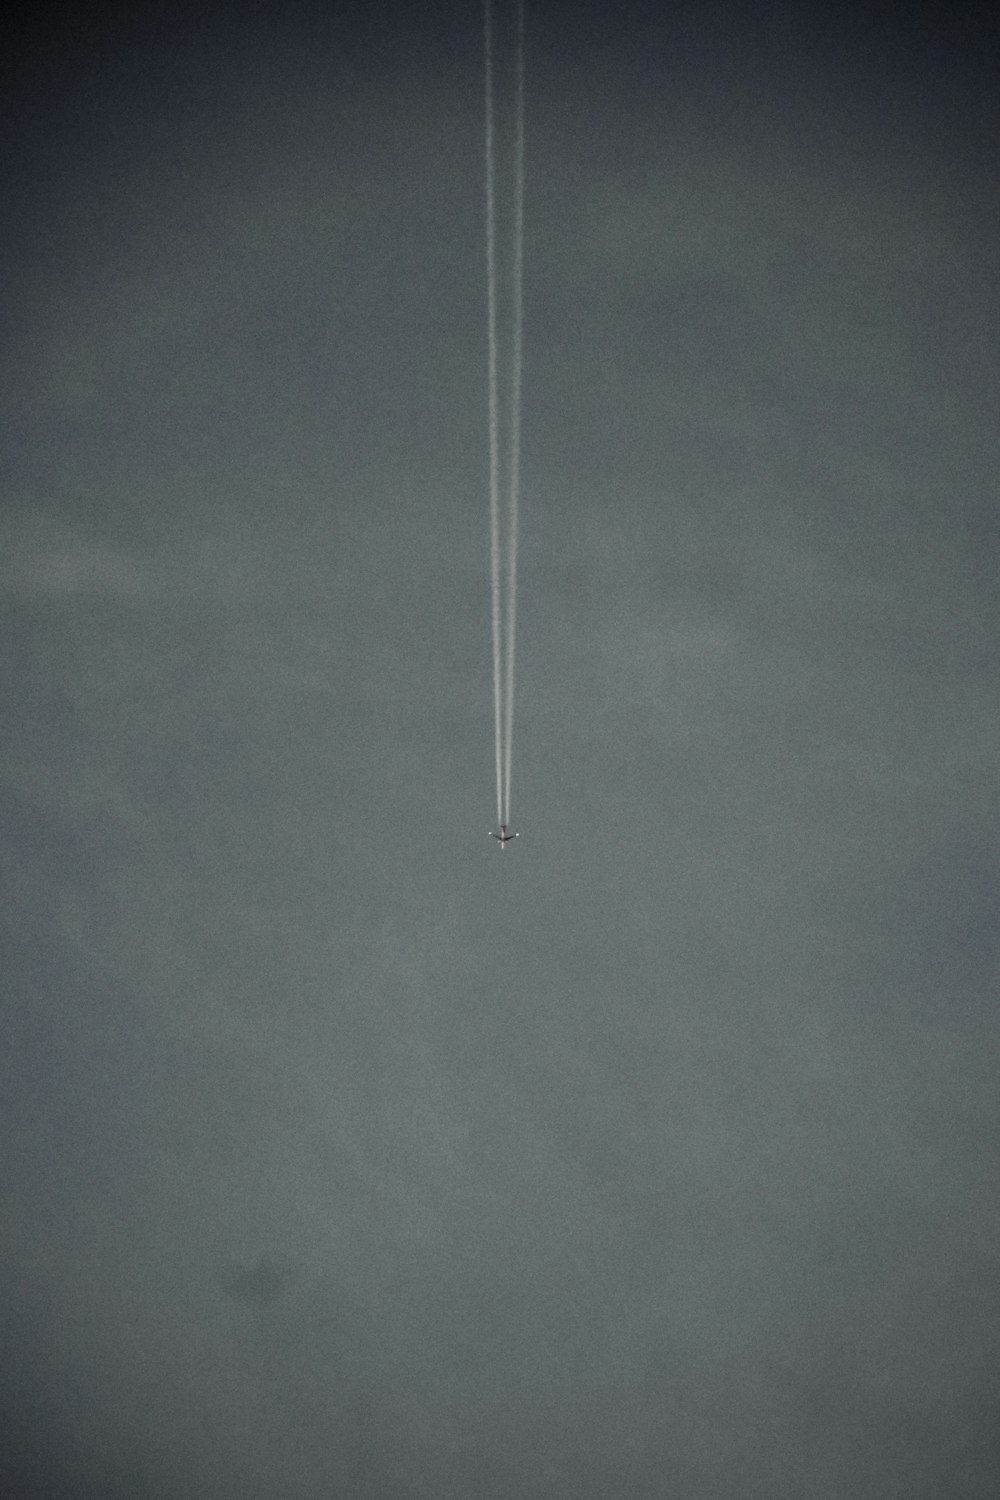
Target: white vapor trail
514,491
494,404
504,525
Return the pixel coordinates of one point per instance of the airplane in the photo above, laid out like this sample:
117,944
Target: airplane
503,837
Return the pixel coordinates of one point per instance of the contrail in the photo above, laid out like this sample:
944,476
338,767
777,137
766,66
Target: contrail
494,406
514,494
504,527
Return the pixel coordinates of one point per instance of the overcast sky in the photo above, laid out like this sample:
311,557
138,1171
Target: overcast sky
343,1153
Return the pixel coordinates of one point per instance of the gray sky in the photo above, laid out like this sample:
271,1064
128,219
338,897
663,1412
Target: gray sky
342,1153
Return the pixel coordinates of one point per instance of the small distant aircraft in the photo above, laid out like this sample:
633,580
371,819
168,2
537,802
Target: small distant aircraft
503,837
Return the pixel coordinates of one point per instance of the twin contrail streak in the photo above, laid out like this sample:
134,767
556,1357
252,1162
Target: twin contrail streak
504,518
494,400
